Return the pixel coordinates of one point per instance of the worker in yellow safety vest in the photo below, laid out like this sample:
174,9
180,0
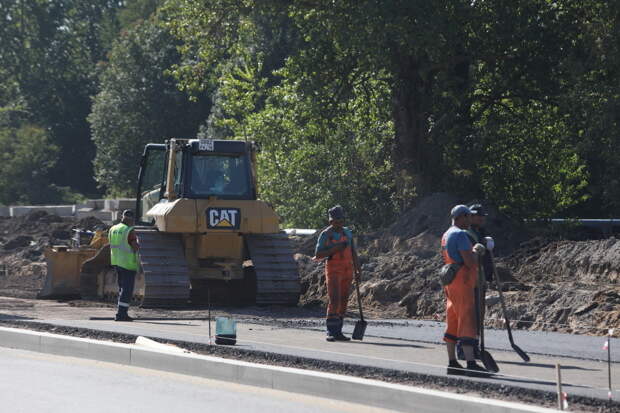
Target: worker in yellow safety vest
124,256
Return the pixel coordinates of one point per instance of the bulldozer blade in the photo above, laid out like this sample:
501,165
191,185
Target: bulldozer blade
63,272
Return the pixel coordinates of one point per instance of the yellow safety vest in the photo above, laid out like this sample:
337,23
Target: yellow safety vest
120,251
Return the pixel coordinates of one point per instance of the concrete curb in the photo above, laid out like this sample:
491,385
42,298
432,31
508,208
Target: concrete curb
326,385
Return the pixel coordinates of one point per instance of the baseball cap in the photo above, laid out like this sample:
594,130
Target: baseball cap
459,210
477,209
128,213
336,212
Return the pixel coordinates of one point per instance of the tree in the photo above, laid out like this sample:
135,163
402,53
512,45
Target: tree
49,50
27,157
455,70
139,103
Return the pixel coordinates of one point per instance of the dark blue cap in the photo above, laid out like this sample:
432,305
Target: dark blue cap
459,210
336,212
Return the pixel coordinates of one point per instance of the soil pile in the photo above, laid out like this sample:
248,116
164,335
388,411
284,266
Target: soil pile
22,243
571,286
400,263
555,285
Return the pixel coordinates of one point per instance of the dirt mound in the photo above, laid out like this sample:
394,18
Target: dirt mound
400,263
22,242
574,286
552,285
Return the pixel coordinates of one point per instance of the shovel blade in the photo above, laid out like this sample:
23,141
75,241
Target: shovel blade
489,362
359,330
521,353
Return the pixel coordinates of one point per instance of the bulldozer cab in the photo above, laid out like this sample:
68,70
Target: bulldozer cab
199,169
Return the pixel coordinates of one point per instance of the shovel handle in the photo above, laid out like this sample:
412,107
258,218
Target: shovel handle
501,297
359,298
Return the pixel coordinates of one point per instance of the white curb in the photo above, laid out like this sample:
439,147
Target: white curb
332,386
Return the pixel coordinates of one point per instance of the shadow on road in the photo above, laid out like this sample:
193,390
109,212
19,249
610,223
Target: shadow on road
545,366
374,343
154,319
6,317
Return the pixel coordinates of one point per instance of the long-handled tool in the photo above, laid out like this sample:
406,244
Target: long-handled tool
498,282
360,326
485,356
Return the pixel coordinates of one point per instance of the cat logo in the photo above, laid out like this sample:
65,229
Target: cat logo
223,218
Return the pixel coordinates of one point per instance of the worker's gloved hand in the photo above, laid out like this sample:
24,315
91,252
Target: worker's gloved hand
490,243
479,249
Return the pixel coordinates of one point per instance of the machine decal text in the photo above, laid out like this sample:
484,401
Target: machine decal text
223,218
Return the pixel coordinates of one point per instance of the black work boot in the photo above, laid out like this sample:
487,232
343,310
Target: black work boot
339,336
332,328
122,316
455,369
474,370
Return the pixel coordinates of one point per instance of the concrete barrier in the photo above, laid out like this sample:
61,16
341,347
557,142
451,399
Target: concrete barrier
126,203
332,386
95,203
60,210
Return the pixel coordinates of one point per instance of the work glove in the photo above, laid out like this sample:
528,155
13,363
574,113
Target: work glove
490,243
479,249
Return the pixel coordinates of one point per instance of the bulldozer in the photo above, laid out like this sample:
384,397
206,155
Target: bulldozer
204,235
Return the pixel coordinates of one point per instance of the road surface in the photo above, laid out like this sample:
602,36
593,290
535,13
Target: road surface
35,382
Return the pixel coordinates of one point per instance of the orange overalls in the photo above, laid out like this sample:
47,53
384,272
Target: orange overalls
461,324
339,276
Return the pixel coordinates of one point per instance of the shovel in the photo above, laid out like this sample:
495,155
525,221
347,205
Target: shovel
360,326
485,356
516,348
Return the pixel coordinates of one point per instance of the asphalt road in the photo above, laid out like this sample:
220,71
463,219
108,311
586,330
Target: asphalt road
581,377
404,345
35,382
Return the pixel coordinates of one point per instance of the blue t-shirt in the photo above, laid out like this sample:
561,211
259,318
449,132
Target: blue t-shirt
321,243
456,240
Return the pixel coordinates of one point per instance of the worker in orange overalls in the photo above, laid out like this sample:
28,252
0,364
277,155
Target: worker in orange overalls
461,322
336,244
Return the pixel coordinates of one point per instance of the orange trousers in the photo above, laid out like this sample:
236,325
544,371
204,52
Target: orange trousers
461,322
338,289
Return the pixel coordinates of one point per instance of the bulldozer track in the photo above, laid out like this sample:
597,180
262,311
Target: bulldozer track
277,275
166,276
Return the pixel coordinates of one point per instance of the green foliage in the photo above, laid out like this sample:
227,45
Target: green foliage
531,171
365,103
138,103
25,162
309,164
473,98
48,53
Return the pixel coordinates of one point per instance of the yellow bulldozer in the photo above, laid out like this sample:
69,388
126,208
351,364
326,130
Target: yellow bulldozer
203,233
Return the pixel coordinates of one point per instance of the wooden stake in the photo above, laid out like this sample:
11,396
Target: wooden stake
209,305
610,332
558,370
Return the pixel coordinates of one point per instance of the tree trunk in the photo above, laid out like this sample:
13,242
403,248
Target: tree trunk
411,108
